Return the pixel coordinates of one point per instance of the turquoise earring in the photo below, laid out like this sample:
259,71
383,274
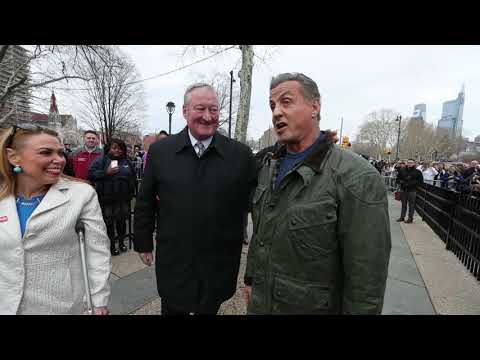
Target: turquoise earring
17,169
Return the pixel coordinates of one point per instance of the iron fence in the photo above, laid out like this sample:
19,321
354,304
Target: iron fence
454,216
138,165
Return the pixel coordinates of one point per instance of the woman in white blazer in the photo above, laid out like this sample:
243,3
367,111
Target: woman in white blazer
40,263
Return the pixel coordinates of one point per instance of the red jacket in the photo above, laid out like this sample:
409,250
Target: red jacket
81,161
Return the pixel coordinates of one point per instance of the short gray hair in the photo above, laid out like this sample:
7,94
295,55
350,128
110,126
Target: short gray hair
309,87
187,96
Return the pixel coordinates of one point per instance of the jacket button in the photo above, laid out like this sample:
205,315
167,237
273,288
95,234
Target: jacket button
294,222
279,293
261,243
329,216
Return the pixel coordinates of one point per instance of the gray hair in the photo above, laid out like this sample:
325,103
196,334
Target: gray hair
309,87
187,96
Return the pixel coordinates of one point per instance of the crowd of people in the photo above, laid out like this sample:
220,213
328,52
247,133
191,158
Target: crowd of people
461,177
321,231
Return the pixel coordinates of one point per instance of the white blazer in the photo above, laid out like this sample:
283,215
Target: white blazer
41,273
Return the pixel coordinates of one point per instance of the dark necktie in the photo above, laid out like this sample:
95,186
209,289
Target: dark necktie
201,148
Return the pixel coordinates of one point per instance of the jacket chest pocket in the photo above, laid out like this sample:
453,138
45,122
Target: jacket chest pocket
312,229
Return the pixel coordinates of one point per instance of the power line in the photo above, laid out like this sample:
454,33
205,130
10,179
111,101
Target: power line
162,74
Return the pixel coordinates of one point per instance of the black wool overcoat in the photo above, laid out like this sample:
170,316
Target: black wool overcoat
201,207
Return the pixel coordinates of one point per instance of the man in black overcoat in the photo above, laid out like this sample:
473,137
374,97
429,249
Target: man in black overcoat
204,182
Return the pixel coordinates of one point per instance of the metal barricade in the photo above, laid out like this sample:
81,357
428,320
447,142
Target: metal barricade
139,172
390,183
455,218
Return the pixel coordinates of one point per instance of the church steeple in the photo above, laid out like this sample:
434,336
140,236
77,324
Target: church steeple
53,104
53,116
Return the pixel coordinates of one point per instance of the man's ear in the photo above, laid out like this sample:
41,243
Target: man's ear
184,111
12,157
316,106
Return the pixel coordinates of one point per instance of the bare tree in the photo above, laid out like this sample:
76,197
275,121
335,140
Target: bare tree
425,142
419,141
113,102
245,74
221,83
379,131
364,149
38,67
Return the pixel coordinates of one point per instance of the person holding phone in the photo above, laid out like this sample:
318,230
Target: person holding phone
113,176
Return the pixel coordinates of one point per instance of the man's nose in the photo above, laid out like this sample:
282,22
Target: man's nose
206,115
276,112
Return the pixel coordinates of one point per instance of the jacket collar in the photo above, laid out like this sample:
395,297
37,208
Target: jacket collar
219,142
53,198
316,158
8,208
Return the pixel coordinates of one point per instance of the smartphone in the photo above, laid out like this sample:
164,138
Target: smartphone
114,163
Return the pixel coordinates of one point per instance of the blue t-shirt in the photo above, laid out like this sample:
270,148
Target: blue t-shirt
25,208
291,159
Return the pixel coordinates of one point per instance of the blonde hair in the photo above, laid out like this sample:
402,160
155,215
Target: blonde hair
14,138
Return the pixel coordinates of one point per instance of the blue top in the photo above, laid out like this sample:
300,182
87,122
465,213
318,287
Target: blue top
25,208
292,159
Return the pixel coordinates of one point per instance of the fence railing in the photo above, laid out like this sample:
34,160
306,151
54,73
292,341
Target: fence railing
138,166
454,217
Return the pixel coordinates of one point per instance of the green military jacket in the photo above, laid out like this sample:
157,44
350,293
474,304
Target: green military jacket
321,241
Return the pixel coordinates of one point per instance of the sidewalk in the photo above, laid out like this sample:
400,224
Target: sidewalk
423,278
406,293
453,290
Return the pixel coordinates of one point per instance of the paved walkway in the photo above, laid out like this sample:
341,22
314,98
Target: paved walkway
427,281
406,293
453,290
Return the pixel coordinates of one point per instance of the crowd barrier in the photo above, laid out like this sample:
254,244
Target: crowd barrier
454,216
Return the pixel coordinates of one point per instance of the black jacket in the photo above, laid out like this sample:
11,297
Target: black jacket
409,178
201,209
114,188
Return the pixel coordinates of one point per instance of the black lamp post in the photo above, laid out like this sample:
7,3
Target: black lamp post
399,119
170,110
232,80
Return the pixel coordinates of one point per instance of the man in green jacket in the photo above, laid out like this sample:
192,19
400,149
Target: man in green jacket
321,241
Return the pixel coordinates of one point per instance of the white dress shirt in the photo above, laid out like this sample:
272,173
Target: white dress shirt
194,142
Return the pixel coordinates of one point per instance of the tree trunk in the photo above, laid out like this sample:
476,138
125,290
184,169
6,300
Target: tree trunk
245,75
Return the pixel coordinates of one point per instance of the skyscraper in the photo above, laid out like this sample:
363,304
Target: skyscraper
13,68
452,115
419,112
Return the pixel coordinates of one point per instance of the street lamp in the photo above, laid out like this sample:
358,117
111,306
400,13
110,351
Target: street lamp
170,110
232,80
399,119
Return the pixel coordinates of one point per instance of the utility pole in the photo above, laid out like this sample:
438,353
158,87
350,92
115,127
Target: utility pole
341,129
230,112
399,119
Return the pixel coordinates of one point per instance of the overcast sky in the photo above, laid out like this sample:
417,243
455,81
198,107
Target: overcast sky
353,81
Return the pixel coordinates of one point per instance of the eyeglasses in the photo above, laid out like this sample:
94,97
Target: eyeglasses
26,127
